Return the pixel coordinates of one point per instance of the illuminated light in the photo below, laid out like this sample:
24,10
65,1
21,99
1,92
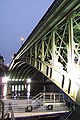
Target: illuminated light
74,75
22,39
25,86
12,57
5,79
15,87
28,80
19,88
22,79
4,59
28,94
12,79
8,65
16,79
5,91
12,88
28,89
22,87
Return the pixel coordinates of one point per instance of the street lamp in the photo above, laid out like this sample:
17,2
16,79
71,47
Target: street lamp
28,80
22,39
4,81
28,89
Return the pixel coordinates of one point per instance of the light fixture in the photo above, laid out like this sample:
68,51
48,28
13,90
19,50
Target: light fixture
28,80
22,39
5,79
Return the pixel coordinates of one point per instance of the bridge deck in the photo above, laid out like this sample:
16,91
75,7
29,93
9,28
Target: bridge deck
39,114
18,109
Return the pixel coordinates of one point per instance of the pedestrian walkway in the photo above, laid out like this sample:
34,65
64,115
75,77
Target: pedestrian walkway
41,105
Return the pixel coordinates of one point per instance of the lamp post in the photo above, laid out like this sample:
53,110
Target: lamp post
29,106
4,81
28,89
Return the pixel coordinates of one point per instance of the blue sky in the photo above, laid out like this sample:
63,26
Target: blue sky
18,18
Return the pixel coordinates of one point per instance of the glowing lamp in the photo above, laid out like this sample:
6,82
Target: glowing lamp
29,80
5,79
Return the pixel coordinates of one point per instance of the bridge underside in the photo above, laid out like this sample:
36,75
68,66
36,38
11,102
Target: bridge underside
53,48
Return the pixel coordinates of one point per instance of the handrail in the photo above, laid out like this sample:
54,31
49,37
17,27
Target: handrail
49,97
36,96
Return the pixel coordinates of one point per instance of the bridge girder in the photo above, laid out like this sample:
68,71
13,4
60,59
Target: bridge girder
53,48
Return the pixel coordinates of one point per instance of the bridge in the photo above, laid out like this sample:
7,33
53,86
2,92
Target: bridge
53,49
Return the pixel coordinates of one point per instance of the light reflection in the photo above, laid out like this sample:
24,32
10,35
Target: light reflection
22,87
19,88
4,81
5,91
12,88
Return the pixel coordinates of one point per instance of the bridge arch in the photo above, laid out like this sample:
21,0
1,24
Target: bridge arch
53,48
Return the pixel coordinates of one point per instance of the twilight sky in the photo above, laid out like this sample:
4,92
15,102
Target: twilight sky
18,18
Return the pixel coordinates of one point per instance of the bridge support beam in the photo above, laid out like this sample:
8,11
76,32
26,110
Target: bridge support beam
36,55
53,55
42,54
30,54
53,50
70,46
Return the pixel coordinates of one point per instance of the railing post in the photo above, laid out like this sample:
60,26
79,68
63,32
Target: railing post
44,97
54,98
50,96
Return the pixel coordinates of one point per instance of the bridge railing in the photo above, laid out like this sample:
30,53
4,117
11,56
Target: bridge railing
43,98
53,97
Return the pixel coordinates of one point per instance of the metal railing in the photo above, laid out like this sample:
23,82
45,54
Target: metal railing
53,97
39,102
43,98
